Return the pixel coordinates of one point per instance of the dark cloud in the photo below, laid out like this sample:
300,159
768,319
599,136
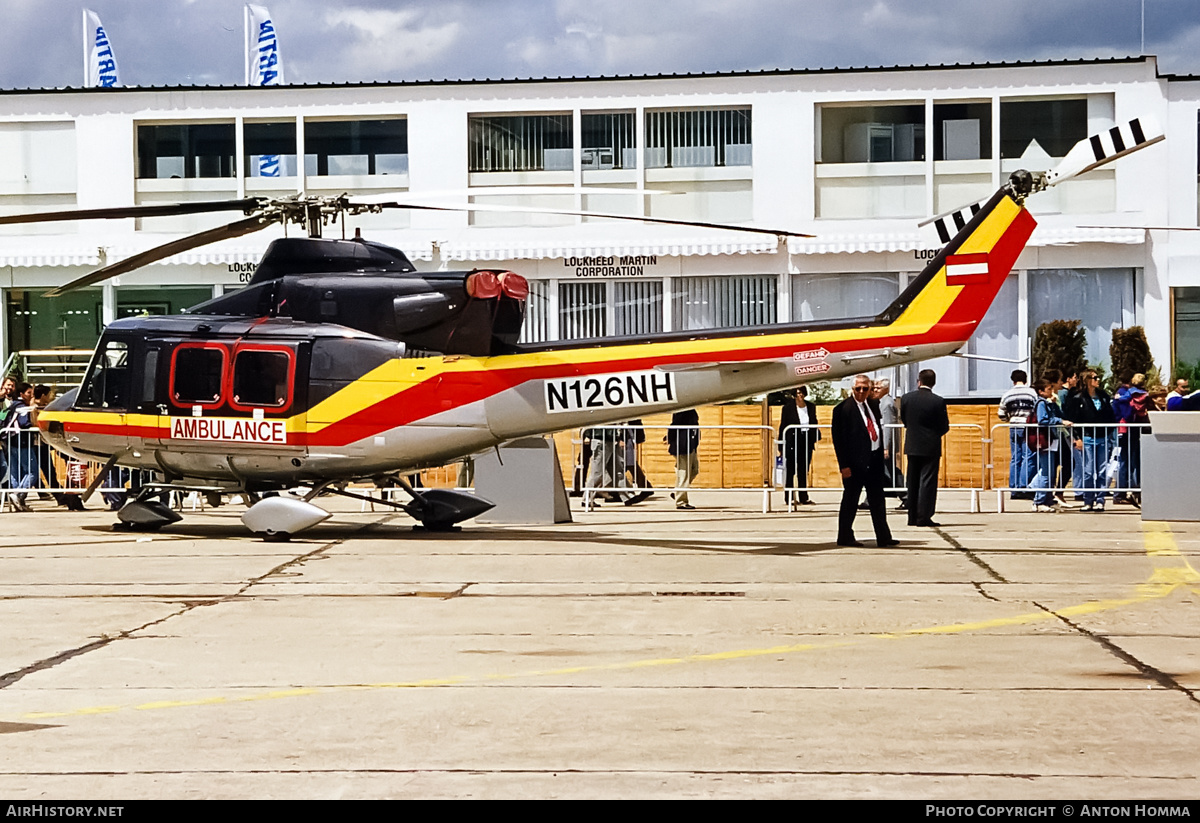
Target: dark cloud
171,42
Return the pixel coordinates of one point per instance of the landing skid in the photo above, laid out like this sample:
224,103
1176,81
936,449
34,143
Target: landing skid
278,517
438,510
140,515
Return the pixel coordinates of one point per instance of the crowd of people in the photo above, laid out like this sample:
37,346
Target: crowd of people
610,460
24,457
1068,431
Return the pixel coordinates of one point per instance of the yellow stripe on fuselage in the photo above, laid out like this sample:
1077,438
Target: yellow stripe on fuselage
919,318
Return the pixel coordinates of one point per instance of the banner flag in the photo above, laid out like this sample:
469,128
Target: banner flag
263,68
100,66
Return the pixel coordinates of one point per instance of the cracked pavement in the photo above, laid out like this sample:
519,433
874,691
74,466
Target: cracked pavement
639,652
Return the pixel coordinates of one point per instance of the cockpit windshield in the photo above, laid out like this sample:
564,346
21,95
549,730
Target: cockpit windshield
107,383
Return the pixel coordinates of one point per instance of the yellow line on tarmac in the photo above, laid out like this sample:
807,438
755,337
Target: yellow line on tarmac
1171,571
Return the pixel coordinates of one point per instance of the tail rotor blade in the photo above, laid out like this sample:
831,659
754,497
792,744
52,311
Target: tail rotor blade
938,230
1105,147
1086,155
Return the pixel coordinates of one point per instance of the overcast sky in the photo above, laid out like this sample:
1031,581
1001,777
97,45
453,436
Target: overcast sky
182,42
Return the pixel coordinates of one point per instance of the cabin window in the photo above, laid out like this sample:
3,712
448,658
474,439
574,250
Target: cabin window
107,383
262,378
197,372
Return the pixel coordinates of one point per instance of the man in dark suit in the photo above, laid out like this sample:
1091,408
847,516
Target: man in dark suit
925,421
798,436
858,443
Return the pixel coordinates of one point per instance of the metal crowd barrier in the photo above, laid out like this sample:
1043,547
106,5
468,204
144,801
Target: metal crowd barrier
29,466
602,466
1092,461
761,454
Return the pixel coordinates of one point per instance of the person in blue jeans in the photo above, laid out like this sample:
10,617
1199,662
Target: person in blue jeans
1050,421
1090,409
1130,405
21,444
1016,408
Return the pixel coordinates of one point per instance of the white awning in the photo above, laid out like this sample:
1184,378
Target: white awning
597,241
1070,235
32,255
846,243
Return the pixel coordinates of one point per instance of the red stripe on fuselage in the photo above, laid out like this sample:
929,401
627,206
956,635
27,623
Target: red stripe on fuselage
423,400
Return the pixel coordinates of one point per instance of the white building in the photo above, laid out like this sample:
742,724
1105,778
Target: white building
856,157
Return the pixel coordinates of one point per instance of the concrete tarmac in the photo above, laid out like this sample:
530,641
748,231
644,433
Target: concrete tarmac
637,652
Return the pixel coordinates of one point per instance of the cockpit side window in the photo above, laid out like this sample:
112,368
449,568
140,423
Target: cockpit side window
107,383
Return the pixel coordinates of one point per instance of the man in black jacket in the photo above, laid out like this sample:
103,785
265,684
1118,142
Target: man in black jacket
926,421
683,442
858,443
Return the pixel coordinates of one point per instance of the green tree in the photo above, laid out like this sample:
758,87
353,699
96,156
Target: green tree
1188,371
1130,352
1058,344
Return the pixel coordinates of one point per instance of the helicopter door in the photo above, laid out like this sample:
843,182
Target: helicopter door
148,410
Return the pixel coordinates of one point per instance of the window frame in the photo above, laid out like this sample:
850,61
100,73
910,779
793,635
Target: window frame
204,345
290,383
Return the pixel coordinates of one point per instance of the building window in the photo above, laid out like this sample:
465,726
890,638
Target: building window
270,149
186,151
637,307
962,131
608,141
1187,324
872,134
698,137
536,328
534,142
136,302
1053,125
997,337
39,159
620,308
723,301
355,147
843,295
1103,299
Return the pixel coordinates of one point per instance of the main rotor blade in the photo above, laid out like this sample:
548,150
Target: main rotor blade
495,207
241,227
492,191
247,205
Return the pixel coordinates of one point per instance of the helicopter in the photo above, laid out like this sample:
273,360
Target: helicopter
340,362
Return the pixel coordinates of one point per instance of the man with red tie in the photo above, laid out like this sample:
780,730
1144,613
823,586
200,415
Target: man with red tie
858,443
